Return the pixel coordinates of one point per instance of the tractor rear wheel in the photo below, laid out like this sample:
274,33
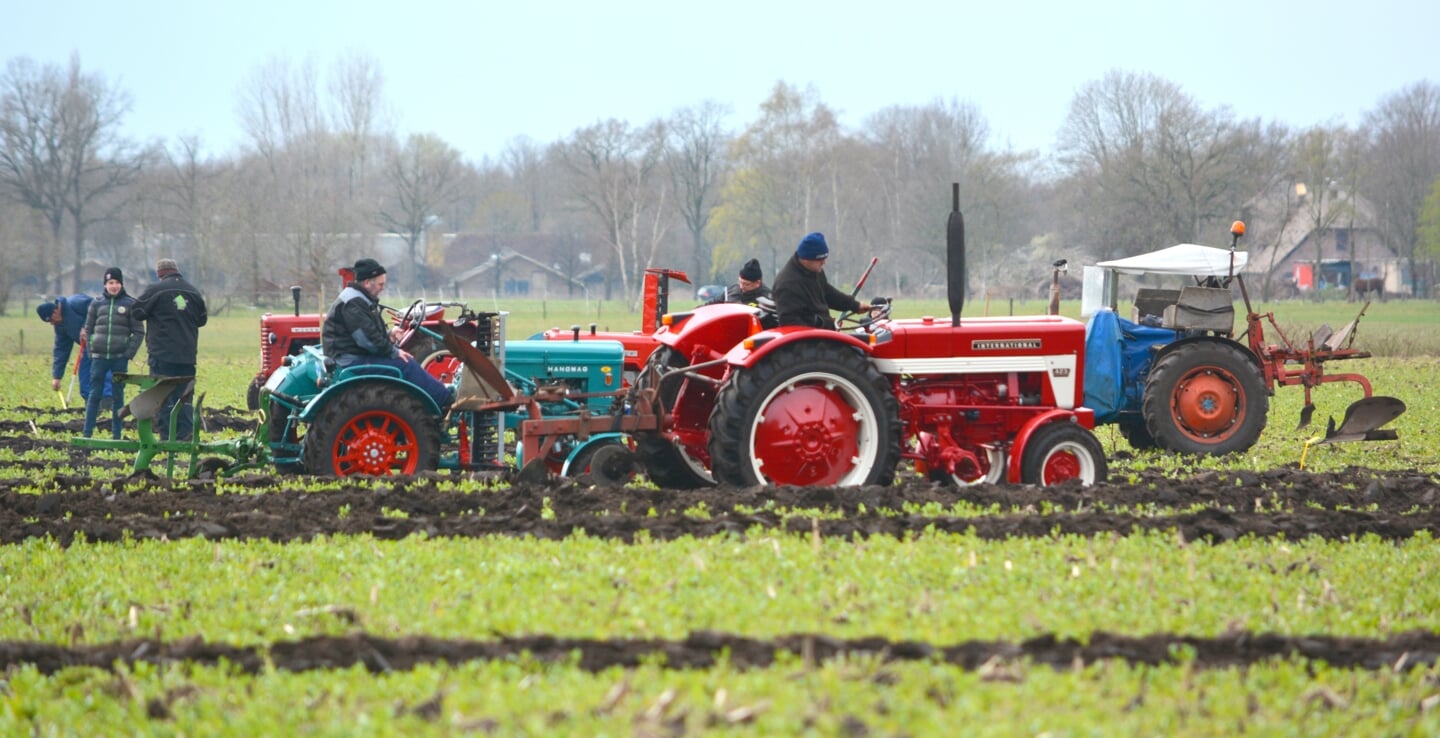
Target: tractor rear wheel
1206,397
1059,452
666,463
814,413
373,429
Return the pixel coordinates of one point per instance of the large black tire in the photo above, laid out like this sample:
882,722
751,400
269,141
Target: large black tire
667,465
277,418
814,413
1132,427
1206,397
1059,452
373,428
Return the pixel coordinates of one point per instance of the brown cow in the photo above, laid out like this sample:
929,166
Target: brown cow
1370,288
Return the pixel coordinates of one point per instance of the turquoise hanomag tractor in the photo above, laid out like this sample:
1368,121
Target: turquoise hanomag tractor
369,420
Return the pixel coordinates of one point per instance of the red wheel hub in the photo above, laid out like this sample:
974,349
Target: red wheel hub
376,443
807,435
1060,467
1206,404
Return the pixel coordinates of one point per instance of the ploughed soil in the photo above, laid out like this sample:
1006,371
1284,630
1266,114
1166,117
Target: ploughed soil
1214,507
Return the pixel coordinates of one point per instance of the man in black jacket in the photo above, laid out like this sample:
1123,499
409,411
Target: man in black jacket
802,294
354,333
749,289
173,310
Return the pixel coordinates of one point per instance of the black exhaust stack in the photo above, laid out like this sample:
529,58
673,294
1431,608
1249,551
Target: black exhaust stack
955,257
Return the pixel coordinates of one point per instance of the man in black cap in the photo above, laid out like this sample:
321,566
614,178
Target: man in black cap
802,294
749,289
112,336
174,311
354,333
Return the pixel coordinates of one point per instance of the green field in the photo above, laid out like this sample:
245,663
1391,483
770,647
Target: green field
927,586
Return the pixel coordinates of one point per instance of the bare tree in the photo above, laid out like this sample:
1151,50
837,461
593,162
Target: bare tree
1404,159
424,177
1148,167
782,177
309,203
60,148
1324,155
695,160
524,162
615,168
22,239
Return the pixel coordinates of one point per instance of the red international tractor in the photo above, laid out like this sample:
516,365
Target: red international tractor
979,400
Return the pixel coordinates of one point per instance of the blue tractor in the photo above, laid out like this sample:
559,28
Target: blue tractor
1175,376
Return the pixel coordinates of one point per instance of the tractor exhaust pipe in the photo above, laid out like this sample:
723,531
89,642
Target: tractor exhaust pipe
955,256
295,295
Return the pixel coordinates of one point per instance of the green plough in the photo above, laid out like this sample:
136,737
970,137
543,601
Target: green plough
208,459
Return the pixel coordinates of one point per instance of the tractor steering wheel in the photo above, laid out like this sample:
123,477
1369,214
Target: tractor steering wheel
413,315
879,310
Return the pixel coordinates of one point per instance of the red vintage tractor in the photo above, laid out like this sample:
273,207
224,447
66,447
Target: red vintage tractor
979,400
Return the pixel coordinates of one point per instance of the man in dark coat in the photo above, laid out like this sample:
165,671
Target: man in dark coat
67,316
174,311
749,289
802,294
354,333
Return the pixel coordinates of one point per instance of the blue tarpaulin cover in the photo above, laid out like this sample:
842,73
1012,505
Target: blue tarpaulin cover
1117,360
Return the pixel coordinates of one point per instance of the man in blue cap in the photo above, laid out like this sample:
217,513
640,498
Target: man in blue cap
67,315
802,294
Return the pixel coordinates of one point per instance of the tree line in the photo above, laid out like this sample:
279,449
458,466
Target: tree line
1139,164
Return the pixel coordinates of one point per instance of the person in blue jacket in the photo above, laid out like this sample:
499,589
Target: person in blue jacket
67,316
112,337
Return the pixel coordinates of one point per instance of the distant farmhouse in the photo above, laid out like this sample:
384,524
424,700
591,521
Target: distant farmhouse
1301,242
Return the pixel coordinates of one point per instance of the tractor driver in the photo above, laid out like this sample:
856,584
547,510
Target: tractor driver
802,294
749,289
354,333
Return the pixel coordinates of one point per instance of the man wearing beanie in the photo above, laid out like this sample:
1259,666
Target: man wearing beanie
802,294
113,336
354,332
174,311
67,316
749,289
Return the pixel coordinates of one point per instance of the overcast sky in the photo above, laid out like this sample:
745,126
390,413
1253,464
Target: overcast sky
481,73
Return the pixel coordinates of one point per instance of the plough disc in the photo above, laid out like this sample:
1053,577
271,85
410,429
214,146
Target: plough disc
1363,420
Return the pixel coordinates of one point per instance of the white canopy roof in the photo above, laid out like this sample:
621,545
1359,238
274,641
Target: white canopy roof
1186,259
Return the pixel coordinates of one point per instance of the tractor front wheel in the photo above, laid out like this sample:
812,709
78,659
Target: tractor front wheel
373,429
1059,452
815,413
666,463
607,464
1205,398
1132,427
